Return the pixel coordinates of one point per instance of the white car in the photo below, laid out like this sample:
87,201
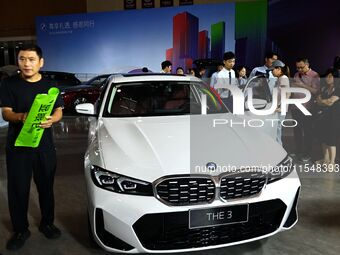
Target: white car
161,177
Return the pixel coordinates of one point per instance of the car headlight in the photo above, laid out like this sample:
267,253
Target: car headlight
118,183
281,171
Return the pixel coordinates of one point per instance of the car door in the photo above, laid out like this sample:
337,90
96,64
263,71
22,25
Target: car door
262,100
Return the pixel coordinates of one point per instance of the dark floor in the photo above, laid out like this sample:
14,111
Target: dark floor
317,232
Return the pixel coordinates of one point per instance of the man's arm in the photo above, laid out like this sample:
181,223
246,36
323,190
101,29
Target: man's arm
55,117
9,115
213,80
312,90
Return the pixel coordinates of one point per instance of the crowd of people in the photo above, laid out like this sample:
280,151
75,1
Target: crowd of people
323,125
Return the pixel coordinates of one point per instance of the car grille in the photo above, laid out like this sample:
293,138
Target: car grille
242,184
191,190
170,231
186,190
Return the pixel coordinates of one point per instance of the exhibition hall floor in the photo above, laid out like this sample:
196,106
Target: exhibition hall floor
317,232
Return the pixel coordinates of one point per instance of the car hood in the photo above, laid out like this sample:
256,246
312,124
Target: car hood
151,147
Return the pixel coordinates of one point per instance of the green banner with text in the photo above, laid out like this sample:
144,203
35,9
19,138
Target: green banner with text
31,132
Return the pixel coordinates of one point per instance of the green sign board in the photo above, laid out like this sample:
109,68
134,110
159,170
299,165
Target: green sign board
31,132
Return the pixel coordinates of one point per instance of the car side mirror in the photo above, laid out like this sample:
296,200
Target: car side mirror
258,104
86,108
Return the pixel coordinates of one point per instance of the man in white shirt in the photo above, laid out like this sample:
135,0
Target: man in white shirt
213,79
166,66
226,77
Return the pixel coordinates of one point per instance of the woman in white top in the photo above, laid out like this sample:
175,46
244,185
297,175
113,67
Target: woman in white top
281,72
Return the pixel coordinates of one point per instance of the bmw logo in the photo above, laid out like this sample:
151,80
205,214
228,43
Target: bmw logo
211,166
43,26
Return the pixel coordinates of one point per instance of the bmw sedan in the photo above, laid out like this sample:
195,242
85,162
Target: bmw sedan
162,177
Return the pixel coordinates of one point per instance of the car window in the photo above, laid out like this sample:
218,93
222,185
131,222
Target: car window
63,79
260,88
98,81
160,99
214,102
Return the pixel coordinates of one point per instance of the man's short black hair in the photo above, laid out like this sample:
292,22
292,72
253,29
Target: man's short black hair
32,47
270,54
228,55
165,64
304,60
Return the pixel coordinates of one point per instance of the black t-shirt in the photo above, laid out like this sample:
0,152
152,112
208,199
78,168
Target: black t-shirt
335,108
19,95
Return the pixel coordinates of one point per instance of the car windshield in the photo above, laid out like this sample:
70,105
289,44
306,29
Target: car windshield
161,98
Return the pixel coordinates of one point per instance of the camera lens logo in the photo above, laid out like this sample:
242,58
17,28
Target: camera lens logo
211,166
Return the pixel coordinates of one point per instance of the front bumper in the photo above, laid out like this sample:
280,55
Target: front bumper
136,224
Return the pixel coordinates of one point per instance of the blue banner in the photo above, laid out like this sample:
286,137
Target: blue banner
120,41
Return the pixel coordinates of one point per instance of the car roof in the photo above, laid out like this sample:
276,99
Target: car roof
121,78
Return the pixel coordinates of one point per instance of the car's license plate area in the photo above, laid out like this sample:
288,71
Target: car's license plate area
216,216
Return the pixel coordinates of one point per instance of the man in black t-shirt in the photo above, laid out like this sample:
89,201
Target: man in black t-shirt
16,97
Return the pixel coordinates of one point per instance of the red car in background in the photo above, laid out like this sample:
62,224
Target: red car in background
88,92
